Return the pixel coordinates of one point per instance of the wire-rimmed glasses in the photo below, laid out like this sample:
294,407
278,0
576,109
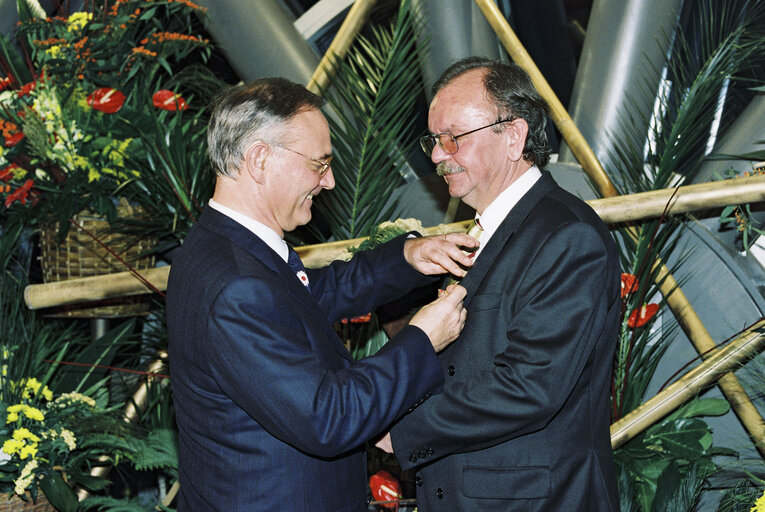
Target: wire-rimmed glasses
324,166
447,141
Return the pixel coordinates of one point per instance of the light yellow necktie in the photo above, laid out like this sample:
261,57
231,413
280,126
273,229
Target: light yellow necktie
475,231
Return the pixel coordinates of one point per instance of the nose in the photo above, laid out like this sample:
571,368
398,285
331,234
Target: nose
438,154
328,180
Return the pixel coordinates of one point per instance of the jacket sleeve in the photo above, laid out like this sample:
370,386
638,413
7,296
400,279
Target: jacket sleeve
277,362
371,278
545,336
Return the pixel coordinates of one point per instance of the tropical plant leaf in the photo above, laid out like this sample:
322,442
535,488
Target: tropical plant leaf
372,96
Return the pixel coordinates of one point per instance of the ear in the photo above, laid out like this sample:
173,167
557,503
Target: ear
254,164
516,133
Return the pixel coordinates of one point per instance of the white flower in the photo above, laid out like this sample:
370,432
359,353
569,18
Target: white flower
26,477
69,438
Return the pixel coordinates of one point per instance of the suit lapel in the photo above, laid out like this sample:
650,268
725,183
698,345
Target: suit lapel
504,233
239,235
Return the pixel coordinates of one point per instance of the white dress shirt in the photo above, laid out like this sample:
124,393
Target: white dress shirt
498,209
268,235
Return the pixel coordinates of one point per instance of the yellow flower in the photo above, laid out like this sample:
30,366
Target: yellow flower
54,51
12,416
759,505
47,394
21,434
78,20
31,387
27,451
12,446
94,174
34,414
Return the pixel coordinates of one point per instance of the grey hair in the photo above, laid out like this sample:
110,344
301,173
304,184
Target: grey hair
250,111
512,92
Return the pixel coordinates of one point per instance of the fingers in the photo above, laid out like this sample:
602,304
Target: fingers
455,293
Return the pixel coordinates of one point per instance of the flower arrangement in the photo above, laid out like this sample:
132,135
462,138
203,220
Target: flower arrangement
72,122
42,441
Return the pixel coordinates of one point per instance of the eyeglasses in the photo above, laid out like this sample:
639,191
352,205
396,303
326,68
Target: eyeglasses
324,166
447,141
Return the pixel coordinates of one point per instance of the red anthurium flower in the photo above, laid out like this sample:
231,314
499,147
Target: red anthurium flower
168,100
20,194
106,99
357,319
26,89
13,139
6,174
5,83
640,317
385,488
629,284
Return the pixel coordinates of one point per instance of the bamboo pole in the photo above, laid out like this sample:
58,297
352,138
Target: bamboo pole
351,26
721,361
574,138
612,210
130,414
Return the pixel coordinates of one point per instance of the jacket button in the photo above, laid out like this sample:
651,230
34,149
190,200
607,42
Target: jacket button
439,493
451,370
422,454
369,499
413,458
418,481
430,451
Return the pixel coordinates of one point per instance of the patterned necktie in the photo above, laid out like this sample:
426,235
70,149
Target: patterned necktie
475,230
293,260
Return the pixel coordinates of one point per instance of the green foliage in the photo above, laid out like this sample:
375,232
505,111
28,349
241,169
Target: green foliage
668,463
373,98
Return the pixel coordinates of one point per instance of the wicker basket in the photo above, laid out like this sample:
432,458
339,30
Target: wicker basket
79,255
16,504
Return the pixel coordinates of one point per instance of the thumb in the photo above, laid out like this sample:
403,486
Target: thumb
455,293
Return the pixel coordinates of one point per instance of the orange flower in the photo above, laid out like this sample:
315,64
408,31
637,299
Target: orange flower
106,99
629,284
385,488
26,89
6,174
13,139
640,317
168,100
20,194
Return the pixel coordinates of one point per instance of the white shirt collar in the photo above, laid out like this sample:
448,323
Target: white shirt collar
268,235
498,209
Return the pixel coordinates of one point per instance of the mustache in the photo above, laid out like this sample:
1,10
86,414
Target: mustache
445,169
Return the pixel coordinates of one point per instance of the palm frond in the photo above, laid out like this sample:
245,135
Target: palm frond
373,98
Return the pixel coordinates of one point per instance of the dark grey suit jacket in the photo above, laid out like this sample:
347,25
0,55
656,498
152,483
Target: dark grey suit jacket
523,422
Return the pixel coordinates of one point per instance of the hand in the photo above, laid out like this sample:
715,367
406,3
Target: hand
385,444
439,254
443,319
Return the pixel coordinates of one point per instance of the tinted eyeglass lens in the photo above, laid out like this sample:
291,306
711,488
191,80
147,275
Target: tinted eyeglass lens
428,143
448,142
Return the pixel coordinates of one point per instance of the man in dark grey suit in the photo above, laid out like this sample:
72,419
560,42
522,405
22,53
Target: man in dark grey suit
523,421
272,411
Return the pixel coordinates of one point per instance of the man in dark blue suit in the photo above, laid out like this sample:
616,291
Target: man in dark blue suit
522,423
272,411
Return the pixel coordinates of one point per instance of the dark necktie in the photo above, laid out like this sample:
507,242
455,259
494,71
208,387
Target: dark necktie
293,260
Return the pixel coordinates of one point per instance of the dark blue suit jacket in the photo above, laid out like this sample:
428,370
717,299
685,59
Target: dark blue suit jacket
271,409
522,423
